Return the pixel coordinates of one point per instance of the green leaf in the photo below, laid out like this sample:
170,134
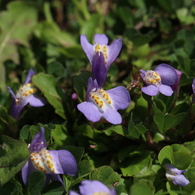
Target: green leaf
13,187
47,84
183,157
84,169
177,155
54,188
80,83
136,130
136,37
160,105
125,13
164,122
16,25
119,129
190,146
50,32
90,25
13,156
190,188
170,5
132,166
56,69
61,136
145,173
165,156
75,52
105,174
187,36
140,188
36,183
132,130
129,151
183,107
185,16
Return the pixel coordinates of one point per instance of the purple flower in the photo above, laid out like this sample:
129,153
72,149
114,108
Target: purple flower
176,85
110,52
159,80
88,187
100,103
99,70
193,88
175,175
50,162
25,94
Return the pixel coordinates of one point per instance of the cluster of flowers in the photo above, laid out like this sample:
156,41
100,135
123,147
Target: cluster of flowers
99,103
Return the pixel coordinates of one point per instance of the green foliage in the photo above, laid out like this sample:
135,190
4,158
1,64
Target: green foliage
45,35
47,84
13,156
36,183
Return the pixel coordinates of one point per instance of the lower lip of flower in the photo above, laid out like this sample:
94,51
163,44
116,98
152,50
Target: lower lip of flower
25,91
103,49
152,77
43,161
101,99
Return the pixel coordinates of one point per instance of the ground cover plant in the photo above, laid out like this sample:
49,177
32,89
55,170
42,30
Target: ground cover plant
97,97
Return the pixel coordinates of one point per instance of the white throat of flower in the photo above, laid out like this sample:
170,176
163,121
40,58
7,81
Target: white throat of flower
43,161
152,78
101,99
25,91
103,49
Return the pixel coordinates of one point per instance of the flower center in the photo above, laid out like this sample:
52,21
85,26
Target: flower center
101,193
103,49
25,91
100,98
43,161
152,77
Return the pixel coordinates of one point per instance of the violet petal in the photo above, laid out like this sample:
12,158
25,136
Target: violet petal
15,110
173,170
102,39
176,85
87,47
25,172
67,162
73,193
99,70
193,86
91,187
180,180
55,158
27,169
120,97
90,111
165,90
167,73
112,116
150,90
142,74
92,84
11,92
113,51
39,139
36,101
29,76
